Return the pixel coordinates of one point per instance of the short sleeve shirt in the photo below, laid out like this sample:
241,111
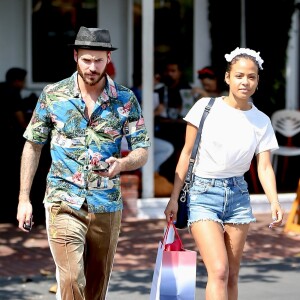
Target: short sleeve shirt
230,138
77,143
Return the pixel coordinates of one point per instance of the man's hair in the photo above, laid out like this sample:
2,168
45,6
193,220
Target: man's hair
15,74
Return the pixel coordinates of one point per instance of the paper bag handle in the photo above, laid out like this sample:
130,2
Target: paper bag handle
177,244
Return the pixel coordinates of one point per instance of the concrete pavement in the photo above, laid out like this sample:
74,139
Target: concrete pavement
262,280
270,268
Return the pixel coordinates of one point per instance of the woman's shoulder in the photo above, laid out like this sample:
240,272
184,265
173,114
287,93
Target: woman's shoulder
204,100
259,113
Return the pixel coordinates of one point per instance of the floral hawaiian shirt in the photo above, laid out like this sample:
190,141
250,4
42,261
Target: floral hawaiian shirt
78,143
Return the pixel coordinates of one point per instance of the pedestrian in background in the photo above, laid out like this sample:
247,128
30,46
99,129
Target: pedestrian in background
13,123
14,119
174,81
84,117
210,84
220,212
163,149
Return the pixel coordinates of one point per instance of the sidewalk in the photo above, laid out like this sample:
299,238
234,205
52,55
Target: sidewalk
270,268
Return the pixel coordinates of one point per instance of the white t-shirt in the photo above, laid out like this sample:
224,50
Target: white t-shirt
230,138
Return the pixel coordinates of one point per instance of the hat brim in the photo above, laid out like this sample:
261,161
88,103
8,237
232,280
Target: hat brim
92,47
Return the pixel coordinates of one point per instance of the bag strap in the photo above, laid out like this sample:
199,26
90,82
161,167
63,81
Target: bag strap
197,141
171,224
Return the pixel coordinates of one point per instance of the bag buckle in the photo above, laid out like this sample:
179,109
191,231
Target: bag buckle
184,191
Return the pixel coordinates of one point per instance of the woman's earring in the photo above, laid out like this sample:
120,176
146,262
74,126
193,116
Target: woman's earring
257,88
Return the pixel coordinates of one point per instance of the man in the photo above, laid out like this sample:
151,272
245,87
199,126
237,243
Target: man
10,93
174,81
85,117
163,149
13,124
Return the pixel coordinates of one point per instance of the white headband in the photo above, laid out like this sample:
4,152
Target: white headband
238,51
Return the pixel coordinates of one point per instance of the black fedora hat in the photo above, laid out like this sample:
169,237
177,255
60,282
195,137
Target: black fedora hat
93,38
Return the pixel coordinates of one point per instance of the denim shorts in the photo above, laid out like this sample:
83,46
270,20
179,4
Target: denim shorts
224,200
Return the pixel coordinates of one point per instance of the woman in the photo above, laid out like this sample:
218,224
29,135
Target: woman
219,203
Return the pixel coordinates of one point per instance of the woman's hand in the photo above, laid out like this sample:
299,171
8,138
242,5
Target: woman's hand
277,214
171,210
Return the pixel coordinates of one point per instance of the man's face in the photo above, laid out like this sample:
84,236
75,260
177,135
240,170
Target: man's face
19,84
173,73
91,64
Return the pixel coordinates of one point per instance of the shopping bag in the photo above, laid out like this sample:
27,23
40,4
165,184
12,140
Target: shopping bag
168,239
174,274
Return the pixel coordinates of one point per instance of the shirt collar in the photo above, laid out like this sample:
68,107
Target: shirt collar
109,91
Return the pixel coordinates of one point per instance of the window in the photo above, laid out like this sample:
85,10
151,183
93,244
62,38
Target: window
54,25
173,34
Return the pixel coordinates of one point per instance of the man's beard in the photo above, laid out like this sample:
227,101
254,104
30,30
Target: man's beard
89,81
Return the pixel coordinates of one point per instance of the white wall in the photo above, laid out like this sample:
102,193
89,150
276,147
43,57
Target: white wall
114,17
292,73
202,43
12,33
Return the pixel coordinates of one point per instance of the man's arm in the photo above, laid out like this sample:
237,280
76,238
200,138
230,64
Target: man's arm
29,164
134,160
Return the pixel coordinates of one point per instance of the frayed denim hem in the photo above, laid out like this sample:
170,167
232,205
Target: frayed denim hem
221,222
242,223
204,219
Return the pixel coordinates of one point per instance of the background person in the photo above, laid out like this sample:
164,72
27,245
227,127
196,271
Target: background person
220,212
85,118
169,125
174,81
111,70
210,84
163,149
14,119
13,123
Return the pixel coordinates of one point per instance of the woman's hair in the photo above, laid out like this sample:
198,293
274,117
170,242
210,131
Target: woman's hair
238,57
247,53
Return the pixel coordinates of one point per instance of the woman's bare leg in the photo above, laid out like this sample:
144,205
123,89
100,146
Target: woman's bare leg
209,238
235,238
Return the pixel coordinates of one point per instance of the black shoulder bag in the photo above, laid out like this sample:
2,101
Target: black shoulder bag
182,213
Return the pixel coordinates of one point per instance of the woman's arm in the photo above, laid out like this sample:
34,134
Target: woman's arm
181,171
268,181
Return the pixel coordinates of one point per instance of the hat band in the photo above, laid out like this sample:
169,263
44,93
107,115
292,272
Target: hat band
96,44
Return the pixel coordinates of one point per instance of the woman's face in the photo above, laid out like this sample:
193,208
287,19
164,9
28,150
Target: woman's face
243,78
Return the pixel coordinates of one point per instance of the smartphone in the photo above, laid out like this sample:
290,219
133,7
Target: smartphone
28,227
102,166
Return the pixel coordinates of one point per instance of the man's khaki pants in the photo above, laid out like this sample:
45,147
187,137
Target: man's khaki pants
83,246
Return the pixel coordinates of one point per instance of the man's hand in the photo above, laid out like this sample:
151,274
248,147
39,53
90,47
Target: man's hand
24,214
114,168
